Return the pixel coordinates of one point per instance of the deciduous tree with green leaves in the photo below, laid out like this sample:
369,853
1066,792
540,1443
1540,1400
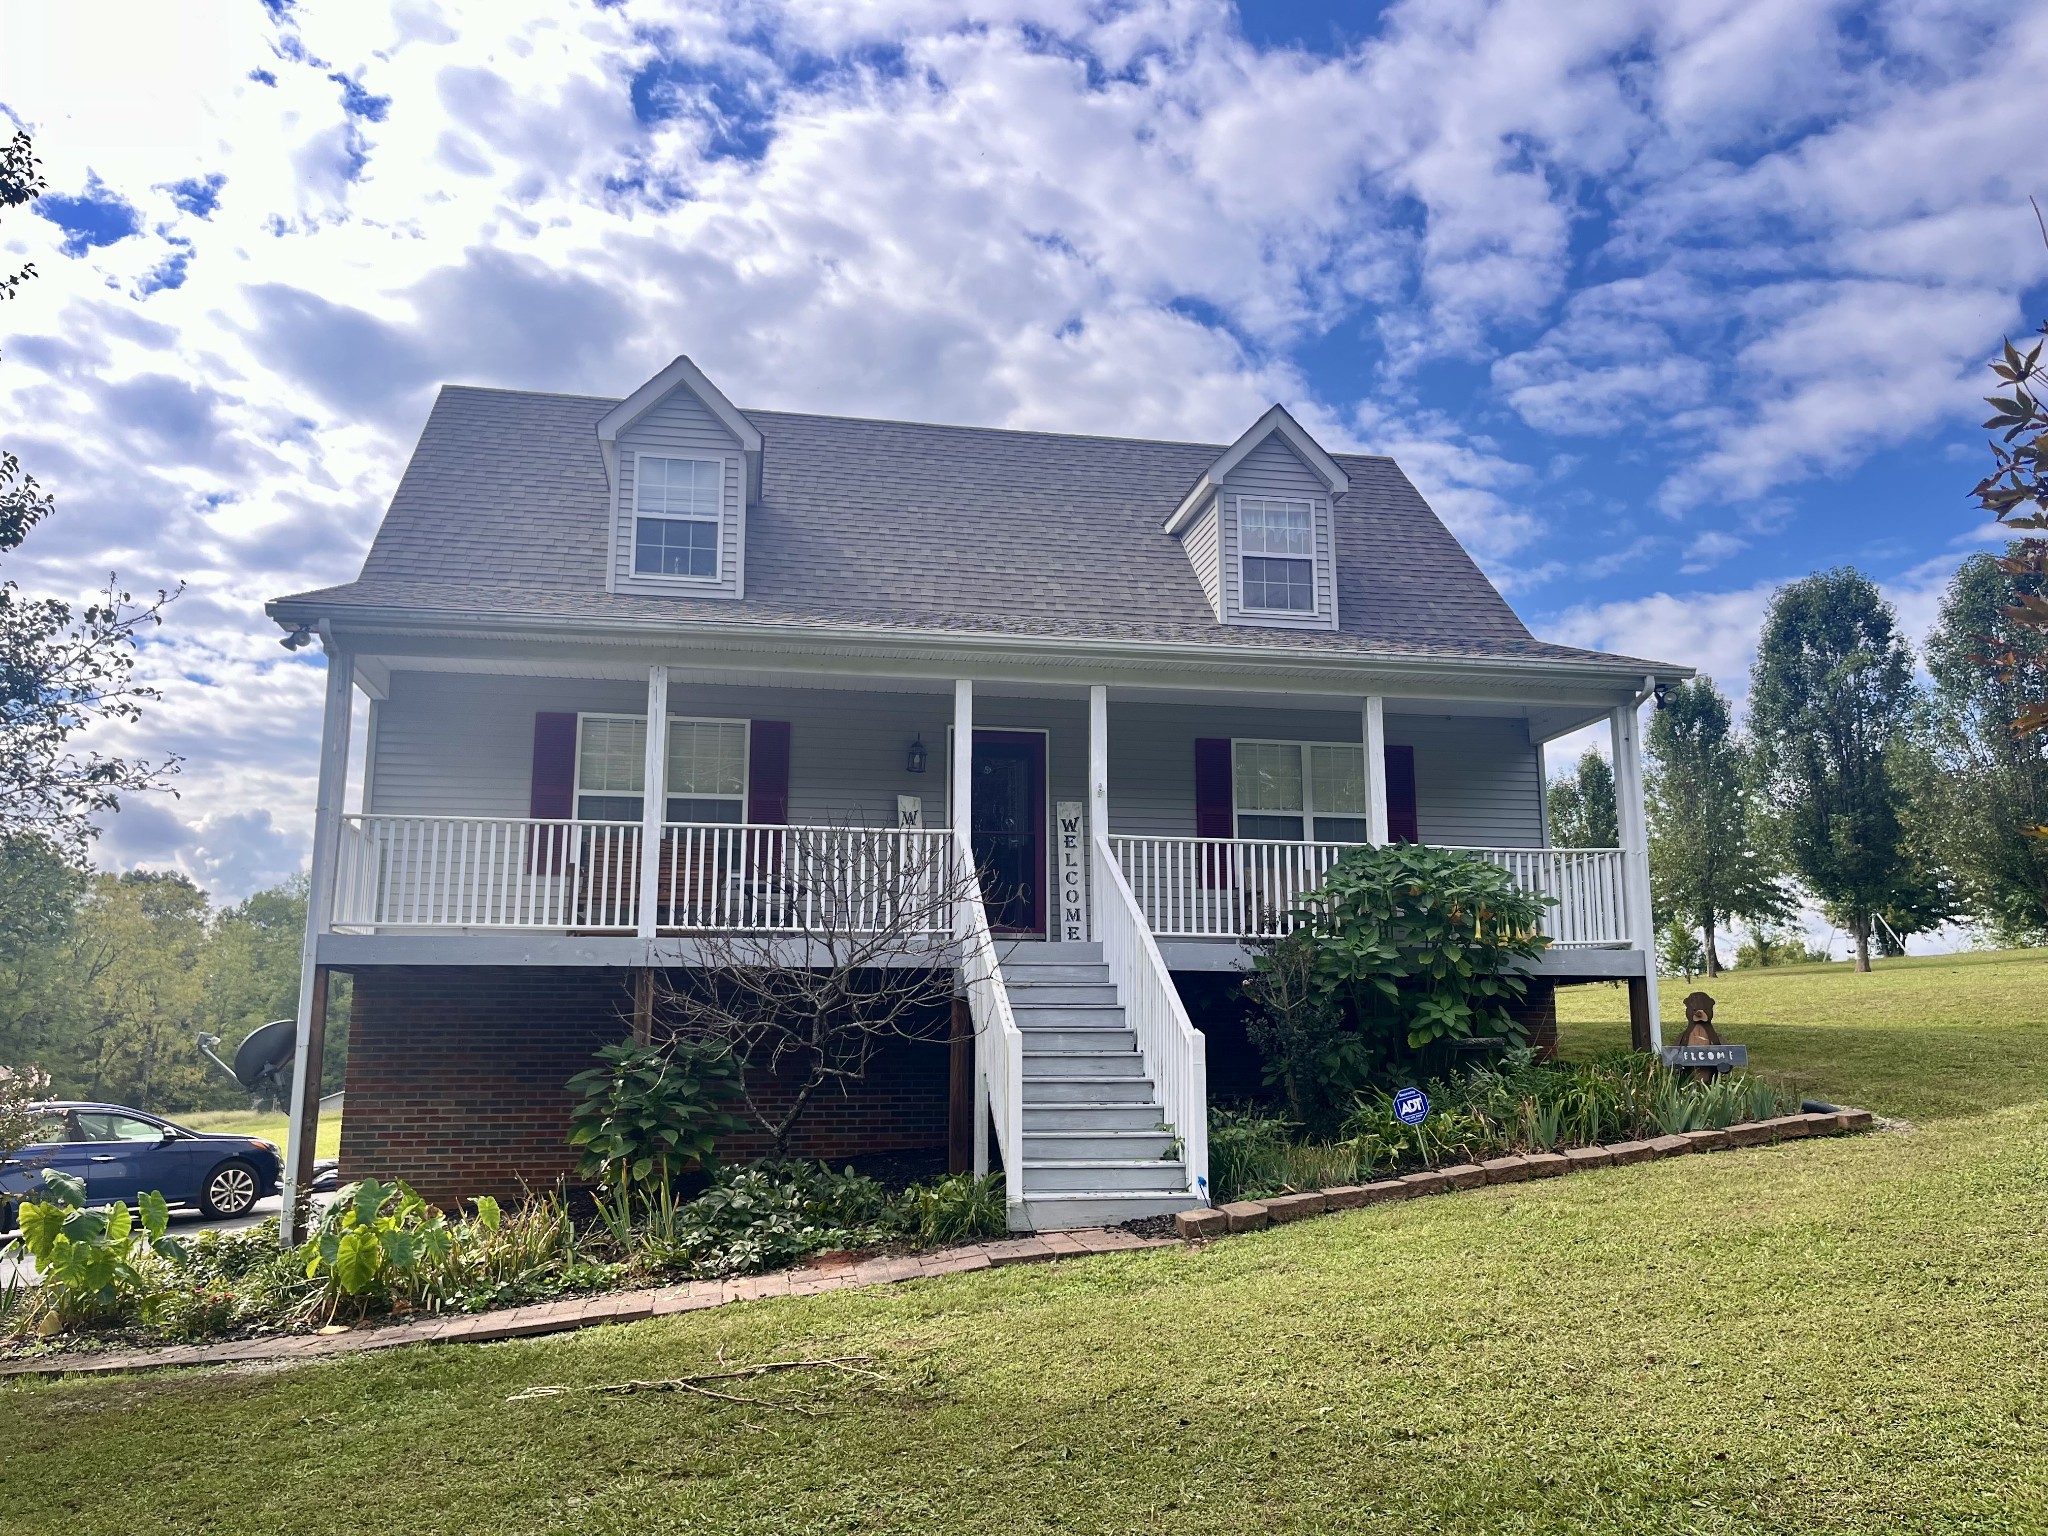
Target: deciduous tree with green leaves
1706,859
1581,804
1830,693
1979,789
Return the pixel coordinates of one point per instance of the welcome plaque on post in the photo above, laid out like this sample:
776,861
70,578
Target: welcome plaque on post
1070,861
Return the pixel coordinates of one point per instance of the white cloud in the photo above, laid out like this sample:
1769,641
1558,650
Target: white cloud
1710,226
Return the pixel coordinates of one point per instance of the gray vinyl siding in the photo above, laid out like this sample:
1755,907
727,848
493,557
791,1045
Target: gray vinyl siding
1204,554
680,427
448,744
1475,778
1273,469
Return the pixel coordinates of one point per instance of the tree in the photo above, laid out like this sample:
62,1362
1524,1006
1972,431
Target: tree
1581,802
1831,691
61,672
854,952
1978,788
1705,860
2016,493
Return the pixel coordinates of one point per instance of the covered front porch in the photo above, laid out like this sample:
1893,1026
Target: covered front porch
504,821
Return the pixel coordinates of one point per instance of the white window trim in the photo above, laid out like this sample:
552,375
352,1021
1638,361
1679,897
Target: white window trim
1308,811
576,792
1314,610
634,514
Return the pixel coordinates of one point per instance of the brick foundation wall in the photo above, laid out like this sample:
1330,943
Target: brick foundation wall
455,1080
1538,1015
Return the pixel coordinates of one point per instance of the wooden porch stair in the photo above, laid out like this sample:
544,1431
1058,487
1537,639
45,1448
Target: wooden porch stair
1097,1150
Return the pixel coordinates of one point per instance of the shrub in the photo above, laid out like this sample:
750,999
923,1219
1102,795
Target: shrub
97,1263
1310,1050
957,1207
765,1217
649,1114
1414,949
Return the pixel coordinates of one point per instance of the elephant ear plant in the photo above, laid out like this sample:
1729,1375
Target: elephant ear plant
647,1115
94,1257
1403,954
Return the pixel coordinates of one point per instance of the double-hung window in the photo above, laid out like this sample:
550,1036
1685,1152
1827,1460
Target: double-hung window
1291,790
676,512
706,773
1276,548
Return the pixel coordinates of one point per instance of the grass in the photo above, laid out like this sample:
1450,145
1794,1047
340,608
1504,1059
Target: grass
243,1122
1826,1336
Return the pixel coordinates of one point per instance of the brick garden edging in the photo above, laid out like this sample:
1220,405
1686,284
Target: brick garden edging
1251,1215
588,1311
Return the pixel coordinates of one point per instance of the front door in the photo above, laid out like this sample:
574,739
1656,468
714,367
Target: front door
1008,831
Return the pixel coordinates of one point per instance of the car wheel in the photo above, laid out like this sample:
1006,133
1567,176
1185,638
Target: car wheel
6,1217
230,1189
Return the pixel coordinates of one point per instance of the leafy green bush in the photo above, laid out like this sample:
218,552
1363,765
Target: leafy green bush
955,1208
1404,955
95,1261
1520,1104
768,1216
648,1115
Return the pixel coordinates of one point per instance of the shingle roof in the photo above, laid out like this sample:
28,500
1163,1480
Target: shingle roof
903,525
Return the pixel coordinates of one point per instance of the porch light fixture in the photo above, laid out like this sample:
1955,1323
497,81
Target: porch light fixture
915,761
298,639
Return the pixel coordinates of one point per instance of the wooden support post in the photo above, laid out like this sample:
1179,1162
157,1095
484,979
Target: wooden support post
1640,1035
960,1091
643,1006
316,1048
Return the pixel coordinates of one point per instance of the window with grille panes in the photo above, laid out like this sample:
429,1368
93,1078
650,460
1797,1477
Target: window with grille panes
706,774
1296,790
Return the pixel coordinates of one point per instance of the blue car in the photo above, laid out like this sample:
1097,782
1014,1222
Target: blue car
123,1154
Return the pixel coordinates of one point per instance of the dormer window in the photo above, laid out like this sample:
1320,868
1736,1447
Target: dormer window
1276,542
676,515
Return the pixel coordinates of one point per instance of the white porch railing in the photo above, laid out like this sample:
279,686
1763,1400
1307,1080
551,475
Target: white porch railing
483,872
998,1042
1175,1052
814,880
1229,888
473,872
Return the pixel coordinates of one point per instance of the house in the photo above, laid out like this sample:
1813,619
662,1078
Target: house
1160,686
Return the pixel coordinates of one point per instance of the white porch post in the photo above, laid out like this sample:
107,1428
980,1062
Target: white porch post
653,799
1635,845
1098,802
960,817
327,804
1374,735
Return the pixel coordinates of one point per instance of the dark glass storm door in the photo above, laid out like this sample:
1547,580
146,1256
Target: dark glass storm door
1008,831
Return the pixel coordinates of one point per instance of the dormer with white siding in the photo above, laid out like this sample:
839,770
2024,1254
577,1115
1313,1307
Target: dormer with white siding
684,467
1259,528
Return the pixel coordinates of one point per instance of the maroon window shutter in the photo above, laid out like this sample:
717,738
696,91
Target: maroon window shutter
1212,787
768,773
554,768
553,793
1214,806
1402,826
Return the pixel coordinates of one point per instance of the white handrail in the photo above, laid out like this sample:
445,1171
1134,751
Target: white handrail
1175,1052
759,878
1220,887
998,1043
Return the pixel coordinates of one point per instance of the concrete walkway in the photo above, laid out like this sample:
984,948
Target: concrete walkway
587,1311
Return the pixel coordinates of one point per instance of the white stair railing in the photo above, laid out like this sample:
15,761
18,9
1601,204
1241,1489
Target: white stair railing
998,1043
1176,1053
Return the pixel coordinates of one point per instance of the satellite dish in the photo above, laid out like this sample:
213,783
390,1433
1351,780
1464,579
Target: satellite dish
263,1061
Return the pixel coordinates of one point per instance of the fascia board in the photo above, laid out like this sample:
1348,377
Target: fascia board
681,374
1276,420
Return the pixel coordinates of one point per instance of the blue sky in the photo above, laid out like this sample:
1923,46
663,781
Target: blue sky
1660,303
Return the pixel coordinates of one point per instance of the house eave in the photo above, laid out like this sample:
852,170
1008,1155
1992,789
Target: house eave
1619,673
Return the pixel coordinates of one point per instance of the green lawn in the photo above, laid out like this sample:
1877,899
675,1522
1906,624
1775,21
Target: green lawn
1827,1336
326,1142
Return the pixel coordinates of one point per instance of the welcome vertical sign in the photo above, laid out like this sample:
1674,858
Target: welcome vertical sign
1070,868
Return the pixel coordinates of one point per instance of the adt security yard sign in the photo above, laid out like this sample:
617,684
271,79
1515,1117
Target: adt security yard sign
1411,1106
